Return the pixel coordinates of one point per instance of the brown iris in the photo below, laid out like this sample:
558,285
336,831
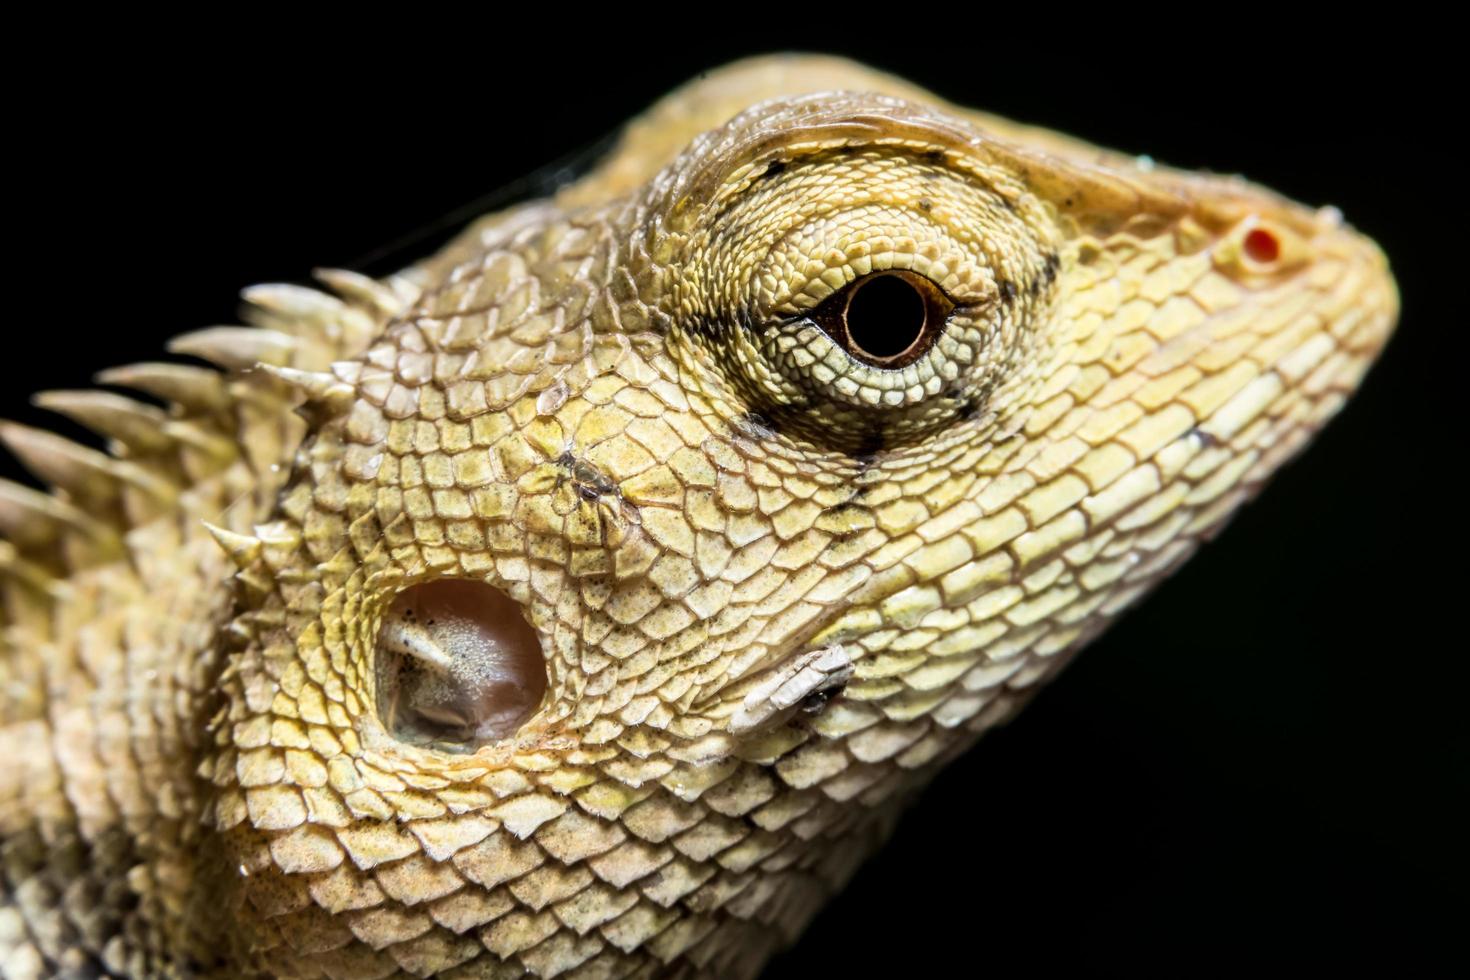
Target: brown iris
887,319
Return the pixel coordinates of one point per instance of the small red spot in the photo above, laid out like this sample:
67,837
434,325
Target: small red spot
1262,246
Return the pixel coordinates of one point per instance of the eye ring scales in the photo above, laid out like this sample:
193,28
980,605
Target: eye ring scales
885,319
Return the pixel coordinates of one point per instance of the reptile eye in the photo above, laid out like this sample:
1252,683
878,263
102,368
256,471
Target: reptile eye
457,665
886,319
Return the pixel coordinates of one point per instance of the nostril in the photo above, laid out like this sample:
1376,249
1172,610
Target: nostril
457,664
1262,246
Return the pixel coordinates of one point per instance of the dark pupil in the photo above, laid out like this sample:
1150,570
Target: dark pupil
885,317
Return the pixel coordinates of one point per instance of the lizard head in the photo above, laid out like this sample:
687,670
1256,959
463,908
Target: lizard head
676,526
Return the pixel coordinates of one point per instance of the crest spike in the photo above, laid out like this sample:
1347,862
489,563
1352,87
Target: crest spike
320,388
236,348
196,388
243,549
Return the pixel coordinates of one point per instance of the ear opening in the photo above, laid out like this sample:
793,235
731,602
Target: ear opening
457,665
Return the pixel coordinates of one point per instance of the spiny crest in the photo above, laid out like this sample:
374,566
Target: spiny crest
244,549
236,348
264,559
387,297
211,417
134,426
189,389
97,481
322,390
50,533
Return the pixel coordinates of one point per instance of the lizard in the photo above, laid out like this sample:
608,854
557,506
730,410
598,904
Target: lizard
586,599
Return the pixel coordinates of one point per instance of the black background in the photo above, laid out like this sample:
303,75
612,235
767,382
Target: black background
1264,763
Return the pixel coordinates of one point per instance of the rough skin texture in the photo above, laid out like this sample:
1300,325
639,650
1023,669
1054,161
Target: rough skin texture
775,588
